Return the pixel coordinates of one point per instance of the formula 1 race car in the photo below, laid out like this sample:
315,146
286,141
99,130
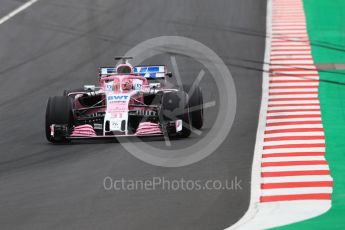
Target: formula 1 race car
129,101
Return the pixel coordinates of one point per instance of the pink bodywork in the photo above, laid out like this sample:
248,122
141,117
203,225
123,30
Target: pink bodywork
144,128
83,131
118,79
148,128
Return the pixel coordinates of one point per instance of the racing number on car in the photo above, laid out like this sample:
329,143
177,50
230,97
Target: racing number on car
115,124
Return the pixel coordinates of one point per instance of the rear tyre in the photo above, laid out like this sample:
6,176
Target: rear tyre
196,102
59,112
175,107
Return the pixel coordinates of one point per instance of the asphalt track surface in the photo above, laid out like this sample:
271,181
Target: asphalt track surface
54,45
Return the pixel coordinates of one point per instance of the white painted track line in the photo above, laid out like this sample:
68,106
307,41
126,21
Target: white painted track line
294,168
256,165
17,11
293,142
301,150
293,90
295,96
291,107
288,191
303,158
296,179
294,134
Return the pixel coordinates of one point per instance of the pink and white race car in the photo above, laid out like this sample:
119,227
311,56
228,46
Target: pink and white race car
129,101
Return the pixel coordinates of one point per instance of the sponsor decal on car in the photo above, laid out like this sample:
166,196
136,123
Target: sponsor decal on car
109,86
117,98
178,125
97,126
118,103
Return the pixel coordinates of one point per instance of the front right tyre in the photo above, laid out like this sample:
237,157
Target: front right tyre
59,112
195,102
175,107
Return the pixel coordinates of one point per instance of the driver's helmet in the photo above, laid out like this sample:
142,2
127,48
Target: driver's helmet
127,84
125,69
116,85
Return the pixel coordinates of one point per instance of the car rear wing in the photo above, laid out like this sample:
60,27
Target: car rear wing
106,71
151,71
145,71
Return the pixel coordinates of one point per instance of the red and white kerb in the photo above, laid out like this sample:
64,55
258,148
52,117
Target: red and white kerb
293,163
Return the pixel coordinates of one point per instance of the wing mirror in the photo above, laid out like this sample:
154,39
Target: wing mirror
89,87
169,74
155,85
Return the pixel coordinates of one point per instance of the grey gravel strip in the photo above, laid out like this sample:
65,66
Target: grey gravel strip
330,66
